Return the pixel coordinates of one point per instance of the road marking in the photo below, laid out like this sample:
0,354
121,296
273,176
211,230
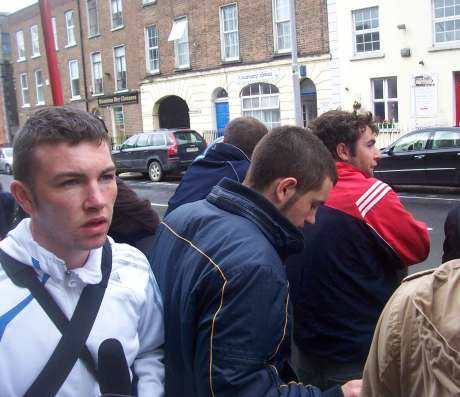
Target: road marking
158,205
430,198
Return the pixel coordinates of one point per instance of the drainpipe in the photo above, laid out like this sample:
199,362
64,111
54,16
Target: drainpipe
53,68
82,53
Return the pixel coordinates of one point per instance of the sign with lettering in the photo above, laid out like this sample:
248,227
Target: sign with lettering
424,95
125,98
264,75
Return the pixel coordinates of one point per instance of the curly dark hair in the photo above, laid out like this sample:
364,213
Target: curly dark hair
338,126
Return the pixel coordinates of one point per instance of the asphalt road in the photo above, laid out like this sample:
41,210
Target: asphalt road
429,206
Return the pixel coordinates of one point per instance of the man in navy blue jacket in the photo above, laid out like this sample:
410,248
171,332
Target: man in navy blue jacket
219,265
229,159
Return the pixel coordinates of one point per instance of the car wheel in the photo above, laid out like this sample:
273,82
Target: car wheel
8,169
155,171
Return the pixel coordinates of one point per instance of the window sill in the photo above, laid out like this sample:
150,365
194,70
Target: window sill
75,98
444,47
153,72
121,91
148,3
70,45
231,61
40,104
117,28
281,54
26,106
94,35
96,95
182,68
35,56
21,60
370,55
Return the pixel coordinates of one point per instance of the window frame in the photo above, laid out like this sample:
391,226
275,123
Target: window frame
117,88
250,110
21,46
119,4
147,2
72,78
39,88
148,59
454,18
24,89
54,29
117,132
386,99
93,74
181,43
365,31
96,10
35,41
223,33
70,29
278,21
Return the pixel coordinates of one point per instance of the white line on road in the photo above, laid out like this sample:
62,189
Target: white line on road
158,205
429,198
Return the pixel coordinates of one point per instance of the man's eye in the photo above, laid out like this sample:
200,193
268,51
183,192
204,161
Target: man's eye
108,177
69,182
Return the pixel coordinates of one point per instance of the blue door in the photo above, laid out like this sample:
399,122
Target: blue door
221,117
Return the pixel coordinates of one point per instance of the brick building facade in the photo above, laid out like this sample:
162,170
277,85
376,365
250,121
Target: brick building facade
145,64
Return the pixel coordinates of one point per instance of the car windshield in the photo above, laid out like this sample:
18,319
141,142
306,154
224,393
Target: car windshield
8,151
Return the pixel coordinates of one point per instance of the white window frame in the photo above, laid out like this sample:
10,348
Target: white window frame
39,88
70,28
113,12
179,34
24,90
94,72
278,21
21,45
386,99
72,78
444,20
34,38
116,132
121,63
253,111
226,34
146,2
54,27
153,48
96,15
363,32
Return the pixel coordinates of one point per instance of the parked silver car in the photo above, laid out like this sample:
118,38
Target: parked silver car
6,160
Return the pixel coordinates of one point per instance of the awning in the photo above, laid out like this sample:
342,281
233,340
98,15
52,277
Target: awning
178,29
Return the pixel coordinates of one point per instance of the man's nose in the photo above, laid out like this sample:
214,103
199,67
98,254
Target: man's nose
95,197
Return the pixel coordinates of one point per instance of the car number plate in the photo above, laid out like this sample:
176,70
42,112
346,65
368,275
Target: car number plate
191,149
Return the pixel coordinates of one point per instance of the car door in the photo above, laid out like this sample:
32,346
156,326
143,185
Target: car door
141,152
123,157
404,162
443,158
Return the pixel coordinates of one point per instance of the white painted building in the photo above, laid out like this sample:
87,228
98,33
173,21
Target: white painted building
398,59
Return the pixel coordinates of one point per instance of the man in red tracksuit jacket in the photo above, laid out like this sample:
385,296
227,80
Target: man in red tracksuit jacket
362,241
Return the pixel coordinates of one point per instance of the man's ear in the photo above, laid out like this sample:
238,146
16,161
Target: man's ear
23,196
343,152
285,188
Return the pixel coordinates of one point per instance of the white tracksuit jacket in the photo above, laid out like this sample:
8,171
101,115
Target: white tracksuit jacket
131,312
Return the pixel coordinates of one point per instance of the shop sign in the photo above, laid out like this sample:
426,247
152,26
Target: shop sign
125,98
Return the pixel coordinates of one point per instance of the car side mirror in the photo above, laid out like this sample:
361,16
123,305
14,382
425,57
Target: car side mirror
389,151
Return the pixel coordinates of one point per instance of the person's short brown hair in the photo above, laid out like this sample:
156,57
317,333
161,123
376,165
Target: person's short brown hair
339,126
53,125
244,133
291,152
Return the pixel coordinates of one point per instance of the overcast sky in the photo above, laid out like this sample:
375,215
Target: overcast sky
14,5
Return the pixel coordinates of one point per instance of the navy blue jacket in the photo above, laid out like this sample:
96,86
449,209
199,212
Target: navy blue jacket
339,286
221,160
219,266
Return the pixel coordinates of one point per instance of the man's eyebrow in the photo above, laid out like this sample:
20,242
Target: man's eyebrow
76,174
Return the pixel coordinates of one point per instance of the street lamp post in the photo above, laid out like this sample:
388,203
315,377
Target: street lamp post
295,66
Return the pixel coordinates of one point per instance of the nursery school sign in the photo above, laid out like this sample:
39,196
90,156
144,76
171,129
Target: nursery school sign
127,98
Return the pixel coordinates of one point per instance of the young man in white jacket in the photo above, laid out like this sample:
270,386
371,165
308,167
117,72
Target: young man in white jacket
65,181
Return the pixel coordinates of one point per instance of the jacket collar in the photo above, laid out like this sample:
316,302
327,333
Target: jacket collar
21,245
224,152
345,169
240,200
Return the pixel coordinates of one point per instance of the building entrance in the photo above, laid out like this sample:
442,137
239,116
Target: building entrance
174,113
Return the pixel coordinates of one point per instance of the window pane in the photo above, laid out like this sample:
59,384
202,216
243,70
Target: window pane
393,111
412,142
379,111
378,89
446,139
392,87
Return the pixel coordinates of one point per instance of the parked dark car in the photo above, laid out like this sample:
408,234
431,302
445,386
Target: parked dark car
158,152
429,156
6,160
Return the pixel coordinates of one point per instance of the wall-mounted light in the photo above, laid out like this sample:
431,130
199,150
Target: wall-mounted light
401,26
421,63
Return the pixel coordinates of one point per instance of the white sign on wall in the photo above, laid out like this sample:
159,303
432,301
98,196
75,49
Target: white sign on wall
424,95
255,76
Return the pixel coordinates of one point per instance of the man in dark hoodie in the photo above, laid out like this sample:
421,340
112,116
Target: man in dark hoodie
230,158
